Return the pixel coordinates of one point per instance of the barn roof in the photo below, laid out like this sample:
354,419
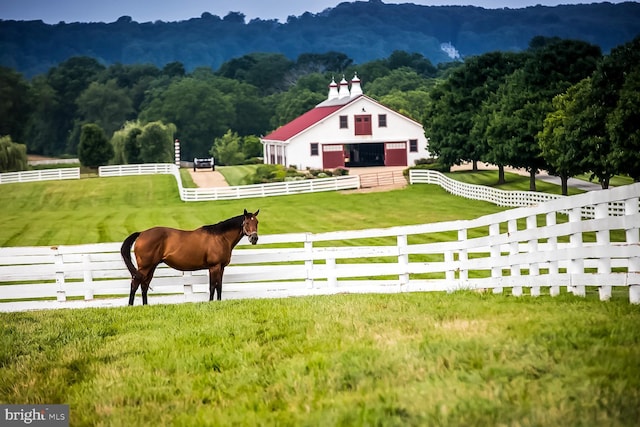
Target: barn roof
308,119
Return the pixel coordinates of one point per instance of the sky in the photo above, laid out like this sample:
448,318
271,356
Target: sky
54,11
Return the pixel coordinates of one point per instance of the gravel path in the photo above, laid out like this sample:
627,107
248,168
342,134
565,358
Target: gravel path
208,178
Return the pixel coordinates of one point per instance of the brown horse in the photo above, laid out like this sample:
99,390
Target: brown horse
207,247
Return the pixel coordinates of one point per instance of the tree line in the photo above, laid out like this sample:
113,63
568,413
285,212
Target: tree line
364,30
561,105
245,98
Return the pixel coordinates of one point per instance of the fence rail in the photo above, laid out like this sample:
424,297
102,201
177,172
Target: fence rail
496,196
530,250
235,192
39,175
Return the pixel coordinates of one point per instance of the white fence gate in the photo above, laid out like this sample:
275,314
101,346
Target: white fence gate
531,250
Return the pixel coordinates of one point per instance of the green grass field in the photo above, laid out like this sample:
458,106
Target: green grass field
237,175
462,359
345,360
108,209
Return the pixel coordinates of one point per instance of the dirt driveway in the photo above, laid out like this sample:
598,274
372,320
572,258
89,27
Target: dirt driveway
208,178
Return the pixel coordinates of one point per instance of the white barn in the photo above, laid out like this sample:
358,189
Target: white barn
348,129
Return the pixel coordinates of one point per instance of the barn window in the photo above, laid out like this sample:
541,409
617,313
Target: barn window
363,125
382,120
314,148
344,123
413,145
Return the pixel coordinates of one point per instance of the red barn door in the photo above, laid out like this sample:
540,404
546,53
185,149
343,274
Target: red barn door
332,156
395,154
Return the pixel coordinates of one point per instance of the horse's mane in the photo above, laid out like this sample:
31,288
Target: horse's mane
224,226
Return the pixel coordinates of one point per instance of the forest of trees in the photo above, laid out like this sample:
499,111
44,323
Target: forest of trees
363,30
560,105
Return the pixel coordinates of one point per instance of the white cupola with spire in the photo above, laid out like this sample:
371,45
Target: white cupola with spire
344,89
356,89
333,90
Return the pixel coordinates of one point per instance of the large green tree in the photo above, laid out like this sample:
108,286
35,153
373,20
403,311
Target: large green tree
15,103
455,105
13,156
199,110
94,149
69,79
262,70
612,146
562,139
105,104
623,127
226,149
156,143
524,100
43,130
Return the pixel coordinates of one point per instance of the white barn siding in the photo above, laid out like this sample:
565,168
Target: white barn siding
399,128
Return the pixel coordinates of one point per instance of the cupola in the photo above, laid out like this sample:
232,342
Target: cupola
333,90
356,89
344,89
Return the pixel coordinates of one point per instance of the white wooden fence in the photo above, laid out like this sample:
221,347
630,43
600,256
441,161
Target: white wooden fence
532,250
39,175
496,196
235,192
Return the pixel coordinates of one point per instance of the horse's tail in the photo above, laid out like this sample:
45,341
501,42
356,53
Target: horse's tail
125,251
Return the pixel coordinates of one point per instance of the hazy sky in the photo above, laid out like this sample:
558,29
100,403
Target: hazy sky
54,11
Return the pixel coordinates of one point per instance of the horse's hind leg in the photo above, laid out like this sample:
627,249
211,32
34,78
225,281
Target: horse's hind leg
145,285
145,289
135,282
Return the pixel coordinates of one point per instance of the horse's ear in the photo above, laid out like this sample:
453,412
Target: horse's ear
246,213
257,212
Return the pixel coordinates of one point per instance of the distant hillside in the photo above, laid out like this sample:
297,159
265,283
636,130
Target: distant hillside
363,30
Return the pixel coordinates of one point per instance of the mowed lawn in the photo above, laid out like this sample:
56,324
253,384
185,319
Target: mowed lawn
416,359
99,210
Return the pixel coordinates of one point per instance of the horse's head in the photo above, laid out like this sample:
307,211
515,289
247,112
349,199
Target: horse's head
250,226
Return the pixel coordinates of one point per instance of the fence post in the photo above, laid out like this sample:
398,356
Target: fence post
552,244
576,263
534,268
463,257
603,239
60,293
187,285
87,276
308,262
450,273
512,227
332,278
633,238
403,260
495,254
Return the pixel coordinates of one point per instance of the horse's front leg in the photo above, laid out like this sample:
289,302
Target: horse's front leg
215,281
